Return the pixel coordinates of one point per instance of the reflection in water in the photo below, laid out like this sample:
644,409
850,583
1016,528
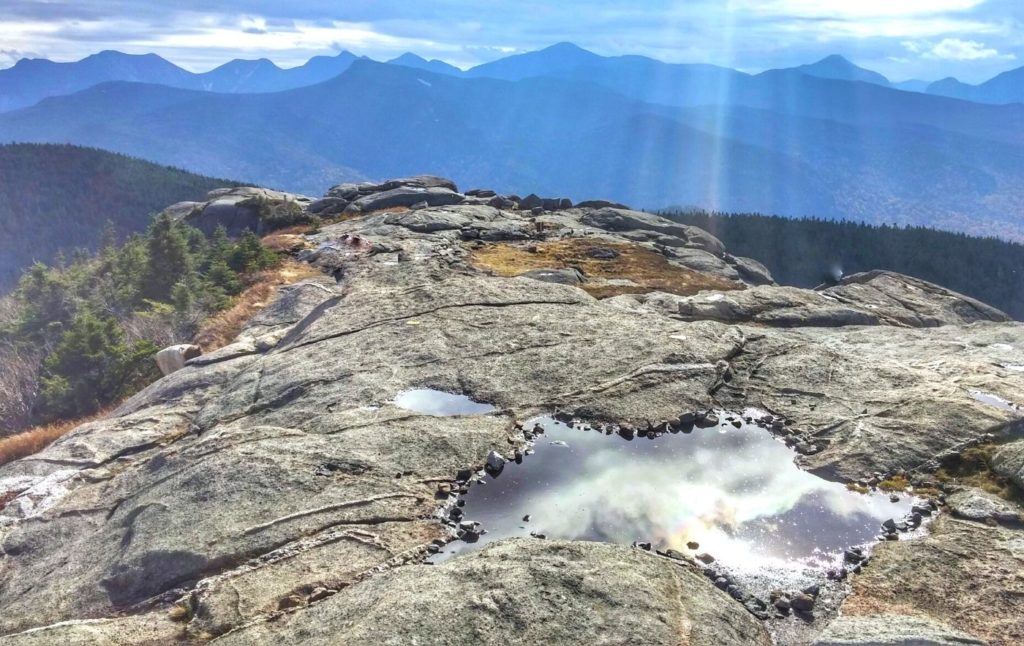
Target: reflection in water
995,400
735,491
437,403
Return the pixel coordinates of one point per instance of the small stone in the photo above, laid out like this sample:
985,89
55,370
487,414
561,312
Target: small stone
444,488
538,535
705,558
782,604
894,498
802,602
322,593
642,545
495,462
693,545
812,590
923,510
722,583
291,601
889,525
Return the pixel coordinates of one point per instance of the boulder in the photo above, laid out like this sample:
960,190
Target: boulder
328,206
751,271
1009,462
980,506
600,204
173,358
910,301
404,196
611,219
531,202
353,191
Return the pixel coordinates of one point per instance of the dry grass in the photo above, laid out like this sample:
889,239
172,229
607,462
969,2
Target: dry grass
858,488
649,270
221,328
36,439
895,483
972,468
287,243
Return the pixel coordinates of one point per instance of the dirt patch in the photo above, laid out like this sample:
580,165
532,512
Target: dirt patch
221,328
600,262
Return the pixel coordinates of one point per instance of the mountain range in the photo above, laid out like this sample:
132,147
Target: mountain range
567,121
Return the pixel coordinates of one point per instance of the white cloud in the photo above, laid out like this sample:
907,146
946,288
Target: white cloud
954,49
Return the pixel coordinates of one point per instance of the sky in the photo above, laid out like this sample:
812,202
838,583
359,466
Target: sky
903,39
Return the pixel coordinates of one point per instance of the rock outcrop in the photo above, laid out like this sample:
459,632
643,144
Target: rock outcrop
235,209
272,491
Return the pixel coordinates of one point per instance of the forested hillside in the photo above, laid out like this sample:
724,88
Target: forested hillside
808,252
60,197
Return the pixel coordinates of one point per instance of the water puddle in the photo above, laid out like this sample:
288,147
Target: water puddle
440,404
729,492
995,400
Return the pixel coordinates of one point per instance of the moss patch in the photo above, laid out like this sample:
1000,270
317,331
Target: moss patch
972,467
649,270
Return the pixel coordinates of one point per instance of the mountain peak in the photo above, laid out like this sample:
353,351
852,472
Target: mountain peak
840,68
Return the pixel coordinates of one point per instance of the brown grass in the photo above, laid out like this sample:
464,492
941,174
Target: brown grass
972,467
650,270
286,242
38,438
895,483
221,328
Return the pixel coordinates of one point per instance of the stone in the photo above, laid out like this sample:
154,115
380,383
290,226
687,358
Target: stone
600,204
494,595
892,629
568,276
980,506
174,358
495,462
960,572
404,196
1008,462
802,602
328,206
705,558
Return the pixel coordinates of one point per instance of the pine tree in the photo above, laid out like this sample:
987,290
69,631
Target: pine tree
169,260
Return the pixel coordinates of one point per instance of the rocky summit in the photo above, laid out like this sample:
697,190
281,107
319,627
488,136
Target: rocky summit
273,491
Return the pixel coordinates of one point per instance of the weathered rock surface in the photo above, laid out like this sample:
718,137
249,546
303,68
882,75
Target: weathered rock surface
967,575
983,507
277,474
892,630
234,209
872,298
404,196
525,592
1009,462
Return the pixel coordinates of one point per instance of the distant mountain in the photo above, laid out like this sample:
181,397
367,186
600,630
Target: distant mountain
911,85
627,128
31,80
838,68
58,197
409,59
1007,87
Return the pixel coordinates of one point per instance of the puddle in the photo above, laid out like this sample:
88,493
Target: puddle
995,400
440,404
735,492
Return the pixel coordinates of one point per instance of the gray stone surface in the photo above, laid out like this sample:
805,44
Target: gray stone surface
892,630
526,592
404,196
274,469
1009,462
980,506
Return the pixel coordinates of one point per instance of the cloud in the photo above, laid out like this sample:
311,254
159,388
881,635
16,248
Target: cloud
954,49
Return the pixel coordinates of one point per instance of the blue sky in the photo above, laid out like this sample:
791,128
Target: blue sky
927,39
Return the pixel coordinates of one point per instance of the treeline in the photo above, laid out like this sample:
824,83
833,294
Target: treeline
809,252
58,197
80,335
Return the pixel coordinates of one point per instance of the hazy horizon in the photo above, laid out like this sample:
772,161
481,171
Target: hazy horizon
972,40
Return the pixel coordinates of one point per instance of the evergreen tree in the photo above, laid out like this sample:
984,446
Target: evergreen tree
169,260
